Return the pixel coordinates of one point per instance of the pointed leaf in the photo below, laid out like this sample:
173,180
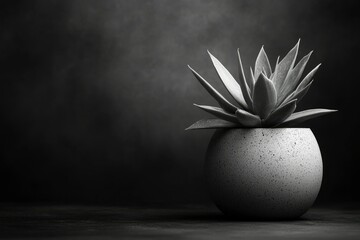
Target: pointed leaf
252,81
281,113
276,69
264,96
230,83
308,78
212,124
262,63
298,95
243,85
247,119
225,104
218,112
292,80
302,116
284,66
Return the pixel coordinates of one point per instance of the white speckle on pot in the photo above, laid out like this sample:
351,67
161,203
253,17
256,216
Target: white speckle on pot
263,172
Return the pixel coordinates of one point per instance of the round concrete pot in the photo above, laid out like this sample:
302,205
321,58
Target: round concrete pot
264,173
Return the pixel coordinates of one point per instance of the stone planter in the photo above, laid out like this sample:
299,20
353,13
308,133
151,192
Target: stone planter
264,173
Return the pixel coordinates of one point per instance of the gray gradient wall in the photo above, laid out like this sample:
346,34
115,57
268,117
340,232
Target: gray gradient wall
96,94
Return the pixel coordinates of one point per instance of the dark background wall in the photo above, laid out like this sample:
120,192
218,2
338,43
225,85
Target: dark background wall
96,94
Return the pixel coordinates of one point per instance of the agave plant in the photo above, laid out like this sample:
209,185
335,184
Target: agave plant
267,99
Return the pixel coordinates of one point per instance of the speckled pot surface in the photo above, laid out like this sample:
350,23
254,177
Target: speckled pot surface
264,173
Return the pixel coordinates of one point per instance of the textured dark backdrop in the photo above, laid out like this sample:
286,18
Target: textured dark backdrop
96,94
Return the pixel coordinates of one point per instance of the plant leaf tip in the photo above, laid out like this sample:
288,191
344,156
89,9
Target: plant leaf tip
238,52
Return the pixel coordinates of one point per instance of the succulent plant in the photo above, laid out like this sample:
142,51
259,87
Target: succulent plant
267,99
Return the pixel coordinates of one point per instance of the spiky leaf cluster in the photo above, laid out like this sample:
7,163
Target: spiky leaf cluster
268,98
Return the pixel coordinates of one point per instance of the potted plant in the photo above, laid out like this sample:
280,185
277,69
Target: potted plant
257,165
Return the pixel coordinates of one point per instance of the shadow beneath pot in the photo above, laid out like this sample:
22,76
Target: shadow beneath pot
214,217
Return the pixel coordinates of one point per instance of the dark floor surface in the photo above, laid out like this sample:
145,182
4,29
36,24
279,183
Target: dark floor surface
185,222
